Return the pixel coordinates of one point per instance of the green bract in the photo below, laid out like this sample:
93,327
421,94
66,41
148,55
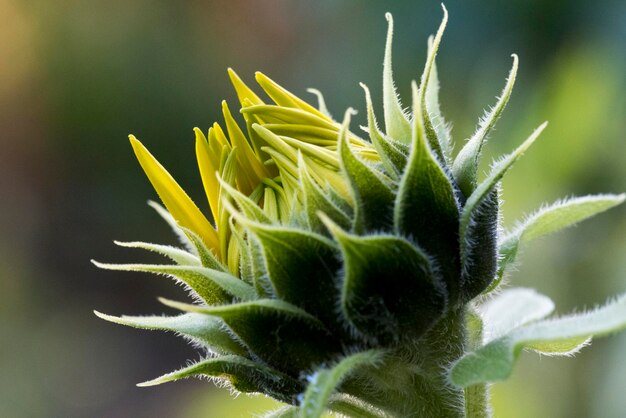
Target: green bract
348,274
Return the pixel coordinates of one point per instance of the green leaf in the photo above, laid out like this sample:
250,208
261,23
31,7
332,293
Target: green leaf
261,281
553,218
301,266
207,258
321,102
483,193
247,206
390,151
324,382
511,309
397,124
203,329
494,361
389,291
244,375
212,286
466,163
373,196
167,217
441,128
279,333
177,255
431,134
352,407
426,207
480,247
246,272
284,412
315,199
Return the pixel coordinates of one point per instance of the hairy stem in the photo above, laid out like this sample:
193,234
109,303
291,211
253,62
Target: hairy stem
476,396
477,401
412,381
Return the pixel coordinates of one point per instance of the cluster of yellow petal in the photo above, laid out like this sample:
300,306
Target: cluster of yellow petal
283,138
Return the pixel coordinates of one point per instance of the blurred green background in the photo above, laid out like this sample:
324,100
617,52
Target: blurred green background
77,76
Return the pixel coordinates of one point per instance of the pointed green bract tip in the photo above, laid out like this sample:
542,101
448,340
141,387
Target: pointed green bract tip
106,317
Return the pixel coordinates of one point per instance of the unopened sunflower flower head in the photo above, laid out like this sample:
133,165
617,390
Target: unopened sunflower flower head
354,270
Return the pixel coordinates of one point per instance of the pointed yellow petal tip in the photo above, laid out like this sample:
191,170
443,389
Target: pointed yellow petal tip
133,140
177,202
138,147
243,91
199,134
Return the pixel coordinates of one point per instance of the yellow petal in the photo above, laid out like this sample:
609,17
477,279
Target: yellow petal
228,175
177,202
220,139
270,204
284,97
252,167
208,166
243,91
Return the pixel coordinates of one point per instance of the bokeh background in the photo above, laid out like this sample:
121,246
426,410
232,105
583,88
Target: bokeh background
77,76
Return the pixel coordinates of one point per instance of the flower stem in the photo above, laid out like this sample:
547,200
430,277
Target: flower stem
477,401
476,396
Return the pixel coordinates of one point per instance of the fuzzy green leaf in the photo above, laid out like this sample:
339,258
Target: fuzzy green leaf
426,207
351,407
261,280
248,207
177,255
167,217
397,124
243,374
483,195
553,218
389,290
203,329
301,266
429,130
373,196
279,333
321,106
315,199
207,258
511,309
480,244
287,411
494,361
212,286
441,128
389,150
466,163
324,382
